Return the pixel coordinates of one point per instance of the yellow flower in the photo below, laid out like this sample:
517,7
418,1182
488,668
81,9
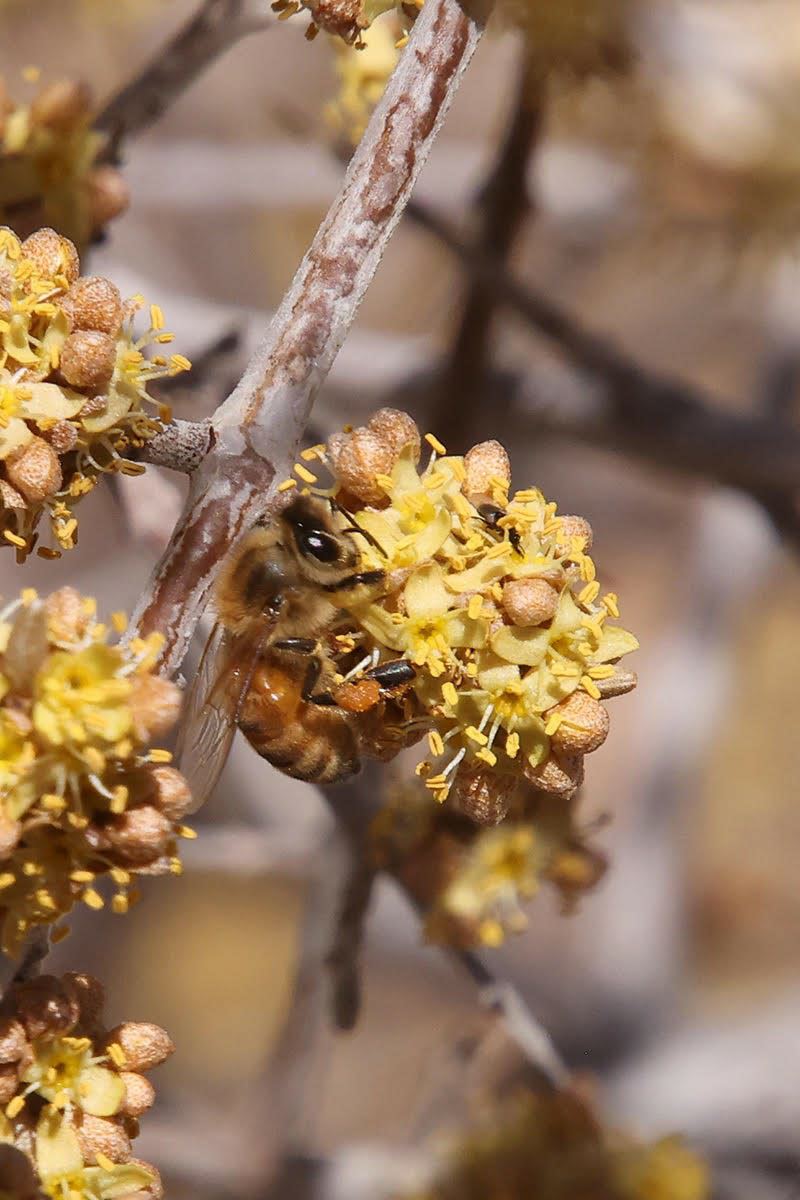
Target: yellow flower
80,799
80,699
73,384
501,870
432,627
63,1173
362,77
491,595
65,1072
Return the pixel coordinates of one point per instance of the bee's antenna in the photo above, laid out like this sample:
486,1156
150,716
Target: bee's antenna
354,527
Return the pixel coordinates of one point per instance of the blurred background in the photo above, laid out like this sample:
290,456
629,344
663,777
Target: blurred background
663,181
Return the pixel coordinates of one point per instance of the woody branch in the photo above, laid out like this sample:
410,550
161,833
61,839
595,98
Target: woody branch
255,433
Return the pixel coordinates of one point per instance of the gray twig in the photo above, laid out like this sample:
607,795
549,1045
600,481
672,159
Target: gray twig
257,430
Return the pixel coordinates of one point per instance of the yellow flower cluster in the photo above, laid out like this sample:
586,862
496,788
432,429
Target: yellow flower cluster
472,881
73,385
362,75
493,597
49,174
553,1147
72,1091
80,797
349,19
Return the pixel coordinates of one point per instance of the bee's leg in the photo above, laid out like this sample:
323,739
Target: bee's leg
297,645
394,674
359,579
313,672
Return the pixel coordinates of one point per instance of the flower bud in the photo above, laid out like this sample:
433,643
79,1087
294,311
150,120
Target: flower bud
144,1045
398,429
67,617
485,464
13,1042
9,1081
107,195
173,797
94,303
357,458
618,684
102,1135
61,104
35,471
52,254
139,835
17,1176
62,436
90,994
573,527
10,497
46,1006
482,795
87,359
529,601
560,776
155,704
139,1093
584,726
155,1190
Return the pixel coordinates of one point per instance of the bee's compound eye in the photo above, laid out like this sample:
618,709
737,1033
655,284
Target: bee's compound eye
319,545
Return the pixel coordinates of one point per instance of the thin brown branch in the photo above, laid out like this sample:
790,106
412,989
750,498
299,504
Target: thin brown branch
644,412
258,428
355,806
213,29
503,204
29,964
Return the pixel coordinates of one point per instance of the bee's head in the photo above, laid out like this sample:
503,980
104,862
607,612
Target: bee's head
322,551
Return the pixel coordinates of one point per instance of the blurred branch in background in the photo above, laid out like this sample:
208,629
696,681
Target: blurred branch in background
216,26
640,412
501,208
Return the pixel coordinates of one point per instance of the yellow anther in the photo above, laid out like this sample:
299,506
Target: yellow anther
512,745
611,604
475,735
304,473
435,444
117,1055
449,693
287,485
436,744
553,723
589,685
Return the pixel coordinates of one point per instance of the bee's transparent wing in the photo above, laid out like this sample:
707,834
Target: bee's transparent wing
209,716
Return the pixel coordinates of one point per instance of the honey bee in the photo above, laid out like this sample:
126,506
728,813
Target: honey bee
268,667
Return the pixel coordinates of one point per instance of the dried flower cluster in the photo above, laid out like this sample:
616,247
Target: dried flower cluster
362,75
474,882
49,174
72,1091
73,384
494,598
80,797
553,1147
349,19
